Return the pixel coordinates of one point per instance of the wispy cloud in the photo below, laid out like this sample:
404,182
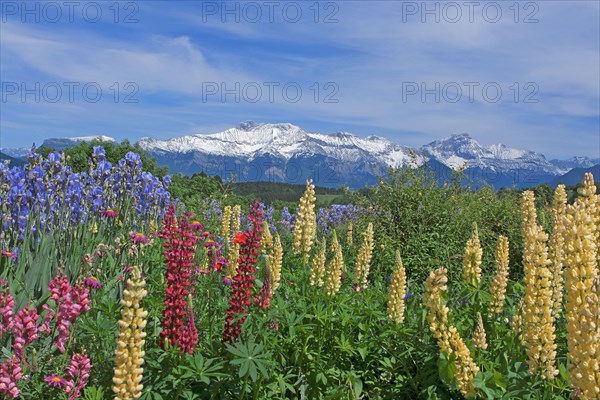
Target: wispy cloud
367,57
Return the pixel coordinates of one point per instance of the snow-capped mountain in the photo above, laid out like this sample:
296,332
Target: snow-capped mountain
287,153
497,164
565,166
283,152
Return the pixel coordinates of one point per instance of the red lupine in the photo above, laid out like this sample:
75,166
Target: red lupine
189,338
77,375
179,252
243,281
10,373
263,299
25,330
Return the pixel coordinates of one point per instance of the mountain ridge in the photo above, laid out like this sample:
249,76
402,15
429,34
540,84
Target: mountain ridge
284,152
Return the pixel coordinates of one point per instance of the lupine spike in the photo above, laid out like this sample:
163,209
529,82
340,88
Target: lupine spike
128,369
397,292
538,322
472,262
275,260
333,281
557,247
501,277
363,261
317,270
583,311
305,225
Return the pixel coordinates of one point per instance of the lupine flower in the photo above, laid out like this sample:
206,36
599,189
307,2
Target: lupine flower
263,298
10,374
287,219
557,247
333,280
189,339
501,276
55,380
236,218
305,227
226,222
317,270
397,295
228,280
78,373
128,370
472,262
267,240
349,234
449,340
275,260
179,253
93,282
363,261
244,279
479,338
583,307
538,322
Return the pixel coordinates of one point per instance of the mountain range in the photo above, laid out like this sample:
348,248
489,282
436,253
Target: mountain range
286,153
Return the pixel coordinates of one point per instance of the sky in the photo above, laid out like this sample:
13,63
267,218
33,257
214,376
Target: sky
522,73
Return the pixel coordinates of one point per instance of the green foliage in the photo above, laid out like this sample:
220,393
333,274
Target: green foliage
431,224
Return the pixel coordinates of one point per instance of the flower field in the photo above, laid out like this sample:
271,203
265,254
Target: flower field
112,288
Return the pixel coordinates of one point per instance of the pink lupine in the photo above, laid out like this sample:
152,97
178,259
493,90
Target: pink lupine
7,304
25,330
77,375
10,373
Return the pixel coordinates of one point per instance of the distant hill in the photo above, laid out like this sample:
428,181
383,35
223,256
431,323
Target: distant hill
272,191
13,161
575,176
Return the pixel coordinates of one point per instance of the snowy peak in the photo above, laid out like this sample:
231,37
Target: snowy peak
284,141
565,166
463,151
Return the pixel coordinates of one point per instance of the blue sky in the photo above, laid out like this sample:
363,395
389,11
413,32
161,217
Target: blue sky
521,73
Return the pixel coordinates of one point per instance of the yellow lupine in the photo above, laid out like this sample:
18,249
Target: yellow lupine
305,225
479,337
317,269
275,260
363,260
583,329
235,218
232,259
349,234
472,261
130,343
333,280
556,246
397,292
448,338
537,319
226,223
266,242
501,276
